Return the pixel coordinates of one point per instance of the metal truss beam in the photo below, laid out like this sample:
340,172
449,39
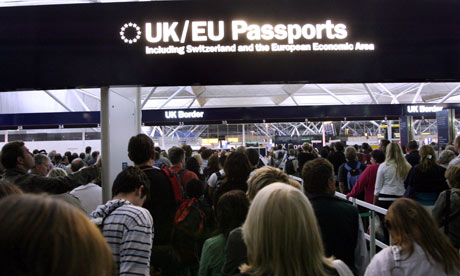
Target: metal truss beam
330,93
147,98
80,100
395,100
369,92
419,90
58,101
172,97
449,94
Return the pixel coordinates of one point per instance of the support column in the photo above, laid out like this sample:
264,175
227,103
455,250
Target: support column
390,130
445,120
406,129
119,121
244,136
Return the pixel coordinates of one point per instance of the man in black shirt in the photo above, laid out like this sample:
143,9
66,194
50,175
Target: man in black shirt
413,157
339,222
160,201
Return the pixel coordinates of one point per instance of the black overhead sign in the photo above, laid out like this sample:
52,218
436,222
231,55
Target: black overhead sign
235,115
228,42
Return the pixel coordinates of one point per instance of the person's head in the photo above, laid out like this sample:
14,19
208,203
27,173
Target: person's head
427,158
77,164
412,146
198,158
95,155
280,147
140,149
253,156
395,155
58,158
205,154
409,223
377,157
42,165
188,151
132,184
7,189
383,144
82,155
339,147
237,168
291,152
452,148
176,156
88,150
324,152
241,149
231,211
281,234
213,163
445,157
351,154
194,188
16,154
366,147
453,176
263,177
193,165
457,144
56,172
37,245
318,176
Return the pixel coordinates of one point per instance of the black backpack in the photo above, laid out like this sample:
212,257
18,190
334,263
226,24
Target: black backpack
289,167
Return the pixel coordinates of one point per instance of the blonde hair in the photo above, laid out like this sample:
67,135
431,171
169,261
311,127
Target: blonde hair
263,177
56,172
198,158
282,235
50,237
394,154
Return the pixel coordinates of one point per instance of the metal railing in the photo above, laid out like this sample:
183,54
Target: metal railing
372,210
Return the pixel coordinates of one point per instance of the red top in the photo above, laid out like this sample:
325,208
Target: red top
366,183
186,175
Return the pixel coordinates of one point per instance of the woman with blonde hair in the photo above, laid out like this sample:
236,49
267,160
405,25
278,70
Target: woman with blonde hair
426,180
419,248
44,237
283,238
389,184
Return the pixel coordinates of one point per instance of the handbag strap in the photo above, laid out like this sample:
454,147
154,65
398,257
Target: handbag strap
447,213
342,268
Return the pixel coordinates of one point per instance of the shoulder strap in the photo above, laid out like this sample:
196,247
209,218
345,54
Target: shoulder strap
342,268
347,167
447,212
358,165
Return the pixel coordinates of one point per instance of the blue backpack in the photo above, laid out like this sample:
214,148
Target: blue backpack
352,175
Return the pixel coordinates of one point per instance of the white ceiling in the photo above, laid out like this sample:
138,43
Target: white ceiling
237,95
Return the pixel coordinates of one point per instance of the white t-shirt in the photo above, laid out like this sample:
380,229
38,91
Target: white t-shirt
90,196
388,181
212,181
417,264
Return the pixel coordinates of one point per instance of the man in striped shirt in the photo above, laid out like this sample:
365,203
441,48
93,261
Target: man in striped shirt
127,227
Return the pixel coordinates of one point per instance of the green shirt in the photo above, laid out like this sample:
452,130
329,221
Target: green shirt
213,256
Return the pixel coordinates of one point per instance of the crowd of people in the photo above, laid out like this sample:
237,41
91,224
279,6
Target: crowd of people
180,212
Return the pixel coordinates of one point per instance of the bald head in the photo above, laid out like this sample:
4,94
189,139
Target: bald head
77,164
